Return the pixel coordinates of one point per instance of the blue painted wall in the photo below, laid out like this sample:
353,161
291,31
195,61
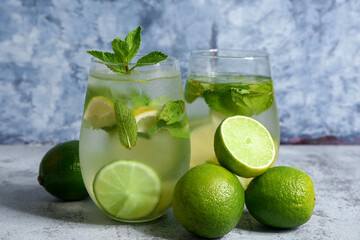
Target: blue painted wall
314,47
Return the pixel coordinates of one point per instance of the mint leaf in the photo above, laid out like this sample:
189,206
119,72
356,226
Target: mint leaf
117,68
106,56
109,57
149,59
126,124
120,49
169,117
172,111
153,57
178,129
259,98
228,102
193,90
246,100
217,101
124,51
133,40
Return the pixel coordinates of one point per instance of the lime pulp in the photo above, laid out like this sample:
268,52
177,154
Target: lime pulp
127,190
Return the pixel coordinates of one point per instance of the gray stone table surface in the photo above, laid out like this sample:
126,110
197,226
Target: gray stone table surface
27,211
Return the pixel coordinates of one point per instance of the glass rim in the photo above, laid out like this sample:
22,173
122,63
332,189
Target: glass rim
240,54
168,60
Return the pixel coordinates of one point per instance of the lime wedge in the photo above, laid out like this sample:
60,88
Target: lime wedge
100,112
244,146
127,190
145,117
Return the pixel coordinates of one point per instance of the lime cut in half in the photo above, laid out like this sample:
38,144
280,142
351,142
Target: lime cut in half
127,190
100,112
244,146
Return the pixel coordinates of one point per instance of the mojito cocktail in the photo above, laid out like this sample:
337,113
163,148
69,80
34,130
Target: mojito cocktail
134,140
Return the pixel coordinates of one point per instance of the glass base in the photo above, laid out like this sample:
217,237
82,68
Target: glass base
136,220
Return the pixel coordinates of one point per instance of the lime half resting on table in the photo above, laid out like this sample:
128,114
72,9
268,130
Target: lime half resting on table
127,190
244,146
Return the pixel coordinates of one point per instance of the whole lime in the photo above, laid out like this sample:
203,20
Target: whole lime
208,201
282,197
60,174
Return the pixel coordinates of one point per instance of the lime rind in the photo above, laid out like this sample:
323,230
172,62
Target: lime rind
127,190
244,146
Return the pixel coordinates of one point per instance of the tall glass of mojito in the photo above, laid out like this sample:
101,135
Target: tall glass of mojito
134,140
223,83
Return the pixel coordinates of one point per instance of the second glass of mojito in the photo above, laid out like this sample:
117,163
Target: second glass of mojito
222,83
134,141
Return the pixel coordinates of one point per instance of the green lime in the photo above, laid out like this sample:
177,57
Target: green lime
60,174
100,112
244,146
282,197
208,201
127,189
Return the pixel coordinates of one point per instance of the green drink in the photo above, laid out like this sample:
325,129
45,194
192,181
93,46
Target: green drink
219,86
134,140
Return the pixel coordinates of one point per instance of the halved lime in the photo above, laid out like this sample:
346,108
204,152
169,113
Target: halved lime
126,189
100,112
244,146
145,117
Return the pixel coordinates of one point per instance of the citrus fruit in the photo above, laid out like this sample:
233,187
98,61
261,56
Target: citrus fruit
145,117
100,112
127,189
60,174
282,197
208,201
244,146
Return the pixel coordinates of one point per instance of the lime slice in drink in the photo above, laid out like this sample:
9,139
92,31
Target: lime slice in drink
127,189
244,146
145,117
100,112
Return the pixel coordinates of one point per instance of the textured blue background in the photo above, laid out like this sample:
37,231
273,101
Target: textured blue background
314,47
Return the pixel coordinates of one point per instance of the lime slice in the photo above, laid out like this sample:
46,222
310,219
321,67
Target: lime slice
127,190
100,112
244,146
145,117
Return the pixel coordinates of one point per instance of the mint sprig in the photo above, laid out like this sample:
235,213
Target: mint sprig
125,51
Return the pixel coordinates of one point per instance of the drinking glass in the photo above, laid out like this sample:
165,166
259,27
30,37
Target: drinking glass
162,149
214,77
